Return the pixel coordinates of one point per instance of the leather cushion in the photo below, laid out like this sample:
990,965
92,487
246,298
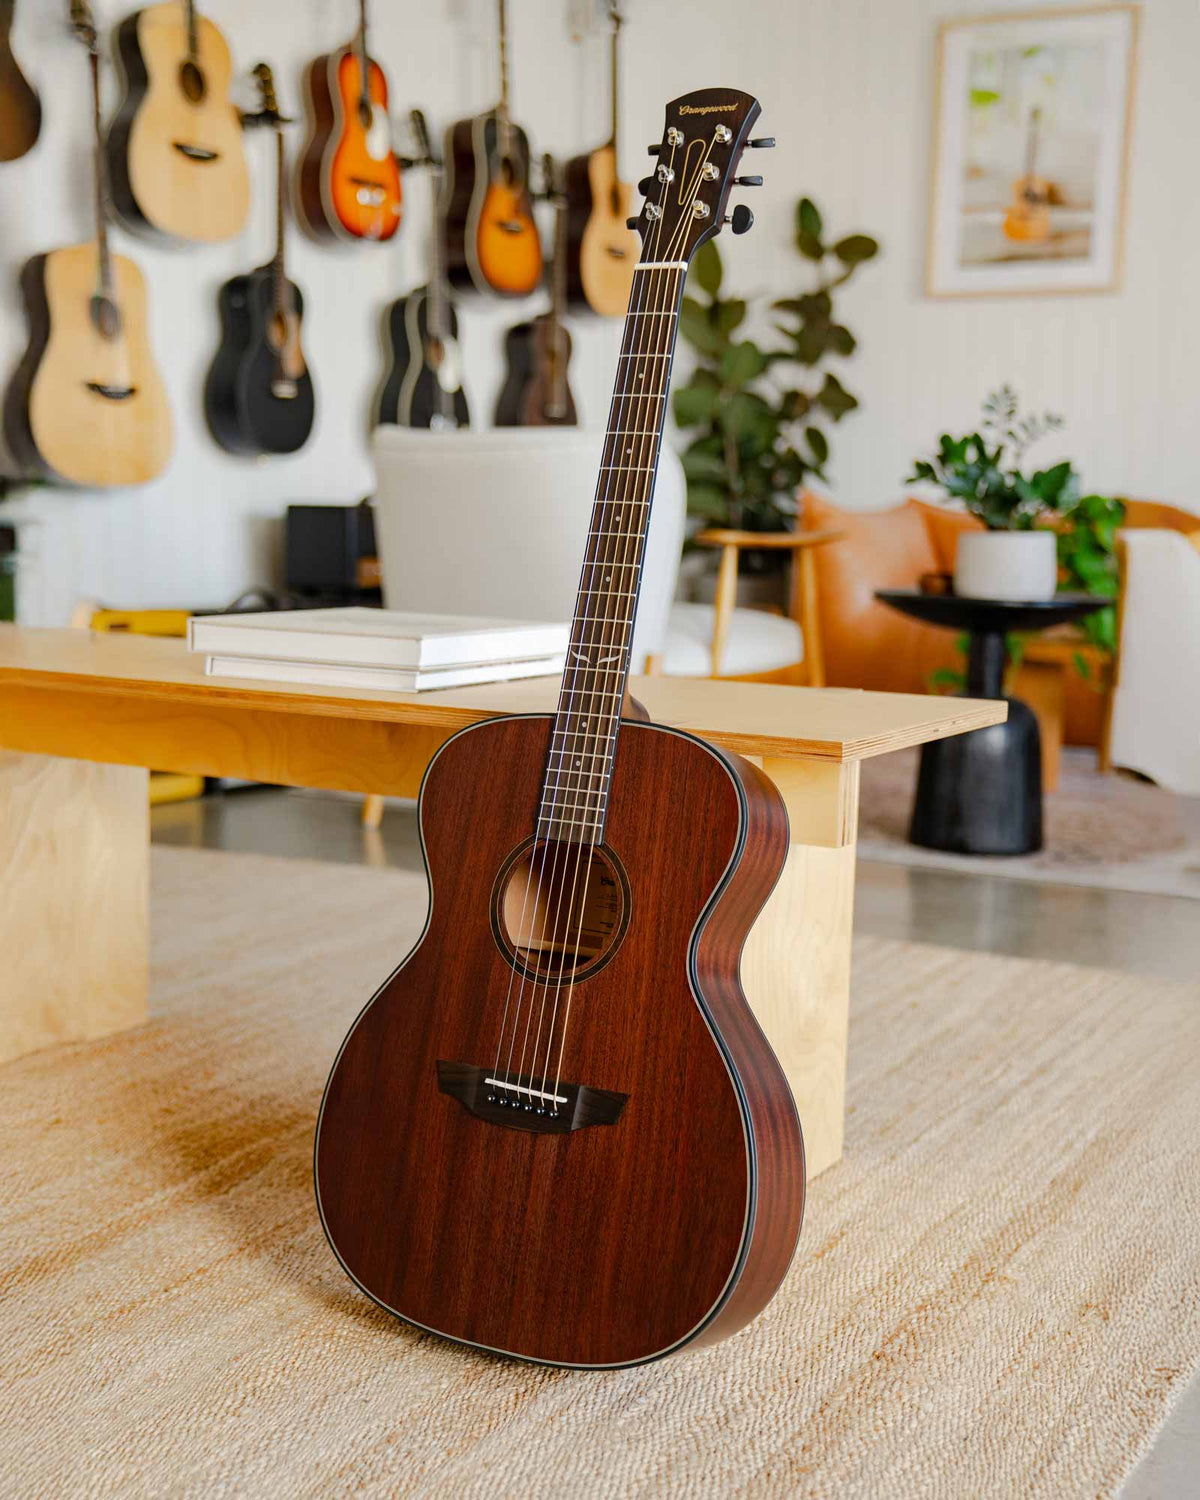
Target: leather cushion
866,644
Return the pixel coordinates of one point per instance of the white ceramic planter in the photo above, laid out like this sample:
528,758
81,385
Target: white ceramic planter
1015,565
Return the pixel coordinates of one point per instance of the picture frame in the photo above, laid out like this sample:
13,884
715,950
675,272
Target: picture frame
1033,116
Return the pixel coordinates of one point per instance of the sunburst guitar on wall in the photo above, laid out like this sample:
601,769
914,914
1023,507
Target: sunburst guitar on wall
492,242
20,108
348,184
86,405
423,385
259,396
537,388
557,1131
601,248
176,161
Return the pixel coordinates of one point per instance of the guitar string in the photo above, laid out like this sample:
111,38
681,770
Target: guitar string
633,540
555,792
678,239
587,814
547,794
552,782
599,773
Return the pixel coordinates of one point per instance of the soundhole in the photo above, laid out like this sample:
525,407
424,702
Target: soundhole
191,81
560,910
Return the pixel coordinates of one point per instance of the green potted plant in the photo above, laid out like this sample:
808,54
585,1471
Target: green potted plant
1015,557
760,416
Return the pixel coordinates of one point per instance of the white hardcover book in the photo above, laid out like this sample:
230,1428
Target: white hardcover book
362,637
386,679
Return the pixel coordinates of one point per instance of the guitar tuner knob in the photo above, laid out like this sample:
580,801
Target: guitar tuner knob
654,149
762,141
631,223
747,182
645,186
740,219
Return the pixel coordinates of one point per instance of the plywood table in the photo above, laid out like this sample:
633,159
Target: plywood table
82,716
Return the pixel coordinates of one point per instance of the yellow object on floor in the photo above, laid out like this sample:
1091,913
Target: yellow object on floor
995,1292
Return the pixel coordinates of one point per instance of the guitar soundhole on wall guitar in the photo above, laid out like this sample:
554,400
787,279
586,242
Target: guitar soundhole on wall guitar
559,909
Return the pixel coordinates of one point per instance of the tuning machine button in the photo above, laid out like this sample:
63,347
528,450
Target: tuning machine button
740,219
632,223
654,148
747,182
645,187
761,141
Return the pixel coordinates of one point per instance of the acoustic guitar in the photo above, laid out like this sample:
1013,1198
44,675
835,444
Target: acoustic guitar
20,108
536,391
86,404
349,178
176,161
423,385
258,397
557,1131
601,249
492,242
1028,218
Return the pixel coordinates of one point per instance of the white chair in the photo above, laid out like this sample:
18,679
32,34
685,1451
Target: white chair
1155,708
495,523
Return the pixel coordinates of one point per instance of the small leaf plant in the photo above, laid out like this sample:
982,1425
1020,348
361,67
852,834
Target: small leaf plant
759,415
984,471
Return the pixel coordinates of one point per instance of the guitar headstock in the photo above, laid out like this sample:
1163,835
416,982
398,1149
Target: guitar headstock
83,24
688,192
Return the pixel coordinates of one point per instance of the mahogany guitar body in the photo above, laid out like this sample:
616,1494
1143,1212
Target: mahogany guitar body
536,391
20,107
492,241
175,156
667,1214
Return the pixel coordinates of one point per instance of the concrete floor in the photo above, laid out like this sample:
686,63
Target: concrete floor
1151,935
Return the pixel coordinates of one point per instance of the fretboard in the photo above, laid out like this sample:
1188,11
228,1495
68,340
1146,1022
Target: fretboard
583,744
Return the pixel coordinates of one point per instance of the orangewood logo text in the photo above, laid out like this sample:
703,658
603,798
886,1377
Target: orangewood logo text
707,109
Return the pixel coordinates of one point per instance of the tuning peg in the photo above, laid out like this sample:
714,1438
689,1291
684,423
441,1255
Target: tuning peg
646,186
631,223
747,182
740,219
654,149
761,141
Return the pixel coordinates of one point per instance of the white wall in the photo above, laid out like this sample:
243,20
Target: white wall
846,88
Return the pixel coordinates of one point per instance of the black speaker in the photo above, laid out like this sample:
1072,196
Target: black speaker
330,556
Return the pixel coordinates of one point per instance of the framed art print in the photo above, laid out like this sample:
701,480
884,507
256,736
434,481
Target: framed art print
1030,148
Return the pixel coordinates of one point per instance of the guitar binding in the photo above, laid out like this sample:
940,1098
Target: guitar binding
521,1103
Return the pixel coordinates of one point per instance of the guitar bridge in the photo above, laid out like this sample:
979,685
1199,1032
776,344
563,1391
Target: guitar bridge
523,1102
195,153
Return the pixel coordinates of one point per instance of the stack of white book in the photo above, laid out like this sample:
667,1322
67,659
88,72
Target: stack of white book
376,648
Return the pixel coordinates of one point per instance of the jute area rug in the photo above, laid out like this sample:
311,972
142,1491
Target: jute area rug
997,1291
1113,830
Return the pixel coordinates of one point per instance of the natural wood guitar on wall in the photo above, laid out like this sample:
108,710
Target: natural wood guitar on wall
557,1131
601,248
176,162
87,405
348,185
492,242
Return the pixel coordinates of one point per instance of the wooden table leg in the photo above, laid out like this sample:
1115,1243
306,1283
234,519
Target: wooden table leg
74,894
796,963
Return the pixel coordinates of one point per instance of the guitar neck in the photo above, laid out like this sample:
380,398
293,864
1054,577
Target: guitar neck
193,45
105,281
574,799
278,268
363,56
502,108
615,64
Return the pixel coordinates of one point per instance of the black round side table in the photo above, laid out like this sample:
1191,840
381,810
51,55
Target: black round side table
981,792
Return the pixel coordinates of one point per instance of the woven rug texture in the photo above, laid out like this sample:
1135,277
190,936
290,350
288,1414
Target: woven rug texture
997,1290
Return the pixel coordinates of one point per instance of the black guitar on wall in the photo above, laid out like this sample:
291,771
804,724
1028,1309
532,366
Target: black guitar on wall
423,386
259,397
